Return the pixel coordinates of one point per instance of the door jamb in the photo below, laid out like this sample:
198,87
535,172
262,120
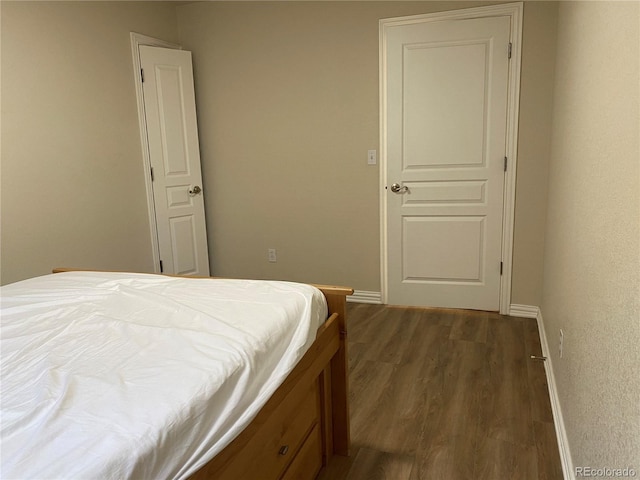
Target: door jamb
514,11
137,40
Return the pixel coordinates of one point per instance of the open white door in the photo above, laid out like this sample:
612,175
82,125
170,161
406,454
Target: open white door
445,88
174,154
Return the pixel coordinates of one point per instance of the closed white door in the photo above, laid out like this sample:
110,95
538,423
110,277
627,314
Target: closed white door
174,152
445,86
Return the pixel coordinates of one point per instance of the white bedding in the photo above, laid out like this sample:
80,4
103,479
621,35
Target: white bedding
108,375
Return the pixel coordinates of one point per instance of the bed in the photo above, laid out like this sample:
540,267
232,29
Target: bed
122,375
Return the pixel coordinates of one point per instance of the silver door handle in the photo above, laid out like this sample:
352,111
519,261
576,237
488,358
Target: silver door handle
396,188
195,191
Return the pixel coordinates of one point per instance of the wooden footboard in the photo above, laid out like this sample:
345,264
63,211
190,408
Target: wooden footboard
337,304
306,421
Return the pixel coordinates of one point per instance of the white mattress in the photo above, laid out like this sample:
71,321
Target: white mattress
108,375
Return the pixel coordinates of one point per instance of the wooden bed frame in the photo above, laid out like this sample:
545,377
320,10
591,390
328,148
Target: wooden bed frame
306,421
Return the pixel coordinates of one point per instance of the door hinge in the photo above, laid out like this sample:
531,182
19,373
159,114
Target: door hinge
510,49
500,268
505,164
161,267
151,173
142,72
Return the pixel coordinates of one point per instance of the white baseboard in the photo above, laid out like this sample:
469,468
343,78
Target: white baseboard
525,311
558,420
362,296
531,311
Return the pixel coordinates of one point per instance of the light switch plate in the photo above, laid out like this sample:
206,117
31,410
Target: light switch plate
371,157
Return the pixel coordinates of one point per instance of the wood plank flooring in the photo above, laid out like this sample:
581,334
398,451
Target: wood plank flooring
446,395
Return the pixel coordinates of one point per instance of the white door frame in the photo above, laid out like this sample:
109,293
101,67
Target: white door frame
514,12
138,39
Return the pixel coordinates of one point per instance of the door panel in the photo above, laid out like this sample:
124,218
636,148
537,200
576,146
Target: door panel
445,85
169,101
183,242
173,123
454,102
443,192
433,234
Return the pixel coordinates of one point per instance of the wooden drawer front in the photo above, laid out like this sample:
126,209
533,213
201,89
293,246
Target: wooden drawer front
308,462
286,427
295,424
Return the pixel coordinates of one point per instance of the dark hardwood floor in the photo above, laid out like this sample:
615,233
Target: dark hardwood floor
446,394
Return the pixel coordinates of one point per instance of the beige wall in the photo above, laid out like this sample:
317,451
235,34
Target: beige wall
287,105
72,177
592,247
534,143
287,109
